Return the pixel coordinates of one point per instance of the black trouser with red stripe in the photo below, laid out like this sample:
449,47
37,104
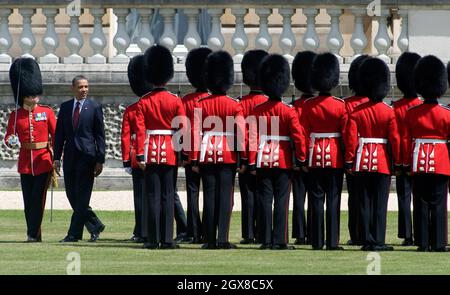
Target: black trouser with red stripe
247,186
325,186
34,191
159,193
374,193
354,210
273,186
404,191
431,191
194,224
138,192
299,220
218,193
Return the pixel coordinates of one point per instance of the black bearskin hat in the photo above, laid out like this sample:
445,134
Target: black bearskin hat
404,73
26,80
325,72
375,78
136,76
219,70
448,72
275,75
159,65
430,77
195,62
250,67
302,70
353,75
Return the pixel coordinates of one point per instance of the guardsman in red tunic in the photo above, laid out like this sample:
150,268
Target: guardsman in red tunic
404,72
136,74
195,61
31,127
370,133
159,115
215,154
247,181
354,216
301,73
276,126
426,142
323,122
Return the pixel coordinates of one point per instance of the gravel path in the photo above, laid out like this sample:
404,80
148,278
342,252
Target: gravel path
123,200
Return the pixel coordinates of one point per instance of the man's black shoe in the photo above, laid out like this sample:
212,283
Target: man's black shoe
33,240
150,246
209,246
226,245
442,249
300,241
247,241
382,248
423,249
408,242
265,246
282,247
317,248
94,238
170,246
196,241
367,248
336,248
69,239
183,237
136,239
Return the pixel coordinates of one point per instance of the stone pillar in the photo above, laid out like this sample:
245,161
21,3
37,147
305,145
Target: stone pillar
98,39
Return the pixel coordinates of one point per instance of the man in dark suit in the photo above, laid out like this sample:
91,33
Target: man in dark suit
80,132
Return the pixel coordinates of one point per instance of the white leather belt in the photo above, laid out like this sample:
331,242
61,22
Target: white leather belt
314,136
205,141
363,141
420,141
149,133
263,139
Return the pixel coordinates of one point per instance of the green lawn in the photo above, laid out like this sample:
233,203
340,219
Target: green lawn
113,255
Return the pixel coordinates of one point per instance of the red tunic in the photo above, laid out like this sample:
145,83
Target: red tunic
189,102
427,131
213,141
36,126
271,147
323,121
370,127
400,108
155,116
128,138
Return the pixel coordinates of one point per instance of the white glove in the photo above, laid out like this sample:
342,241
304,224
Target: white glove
13,141
128,170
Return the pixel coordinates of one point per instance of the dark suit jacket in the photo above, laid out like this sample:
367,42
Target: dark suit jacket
88,139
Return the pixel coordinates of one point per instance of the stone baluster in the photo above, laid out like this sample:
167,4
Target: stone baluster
215,39
168,38
287,38
98,39
145,39
335,41
192,39
121,39
27,40
239,39
50,41
358,41
403,40
74,42
263,39
310,39
5,36
382,40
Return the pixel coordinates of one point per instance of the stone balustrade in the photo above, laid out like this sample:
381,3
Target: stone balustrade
382,40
